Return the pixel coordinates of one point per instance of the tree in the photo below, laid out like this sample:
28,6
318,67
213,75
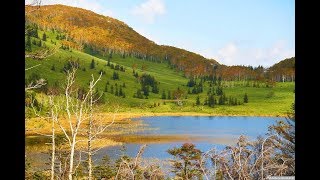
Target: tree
211,101
120,91
245,98
115,75
92,64
117,92
44,37
169,95
111,89
53,68
163,96
28,43
187,161
198,101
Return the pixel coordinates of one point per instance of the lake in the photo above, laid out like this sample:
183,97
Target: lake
205,132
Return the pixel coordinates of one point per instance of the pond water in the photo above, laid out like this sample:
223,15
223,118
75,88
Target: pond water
213,131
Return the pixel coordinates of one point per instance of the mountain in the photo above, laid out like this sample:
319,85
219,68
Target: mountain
86,30
284,70
96,34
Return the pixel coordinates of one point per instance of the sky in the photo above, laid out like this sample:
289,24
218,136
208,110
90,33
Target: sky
233,32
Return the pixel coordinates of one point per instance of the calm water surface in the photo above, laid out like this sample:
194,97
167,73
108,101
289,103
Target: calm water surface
217,132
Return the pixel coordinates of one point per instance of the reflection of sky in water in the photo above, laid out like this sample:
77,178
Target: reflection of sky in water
208,126
217,132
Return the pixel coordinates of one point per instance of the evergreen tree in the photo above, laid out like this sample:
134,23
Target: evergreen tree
136,75
169,94
155,88
139,94
44,37
123,95
124,85
115,75
245,98
163,96
120,91
220,100
53,68
145,90
108,64
117,92
34,42
211,101
198,101
111,89
92,64
28,43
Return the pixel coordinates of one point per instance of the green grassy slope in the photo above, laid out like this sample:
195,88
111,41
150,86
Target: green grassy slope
261,100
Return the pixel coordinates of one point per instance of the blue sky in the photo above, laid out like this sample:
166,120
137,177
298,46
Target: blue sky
233,32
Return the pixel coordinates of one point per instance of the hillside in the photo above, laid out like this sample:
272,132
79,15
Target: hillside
102,34
147,83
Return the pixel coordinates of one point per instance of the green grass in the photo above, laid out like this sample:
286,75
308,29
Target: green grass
261,100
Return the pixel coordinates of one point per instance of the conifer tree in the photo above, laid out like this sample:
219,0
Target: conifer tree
198,101
44,37
92,64
245,98
163,96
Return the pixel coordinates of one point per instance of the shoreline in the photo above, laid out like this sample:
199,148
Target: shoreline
124,115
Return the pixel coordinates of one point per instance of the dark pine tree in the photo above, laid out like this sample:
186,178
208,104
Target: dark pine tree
28,43
111,89
163,96
169,95
198,101
117,92
92,64
44,37
245,98
211,101
120,91
53,68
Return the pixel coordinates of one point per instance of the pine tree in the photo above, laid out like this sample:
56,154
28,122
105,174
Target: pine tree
169,94
92,64
111,89
115,75
211,101
28,43
198,101
220,100
163,96
117,92
53,68
120,91
44,37
245,98
124,85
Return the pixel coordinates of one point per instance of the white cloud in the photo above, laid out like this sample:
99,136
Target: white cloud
92,5
234,54
228,53
149,10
